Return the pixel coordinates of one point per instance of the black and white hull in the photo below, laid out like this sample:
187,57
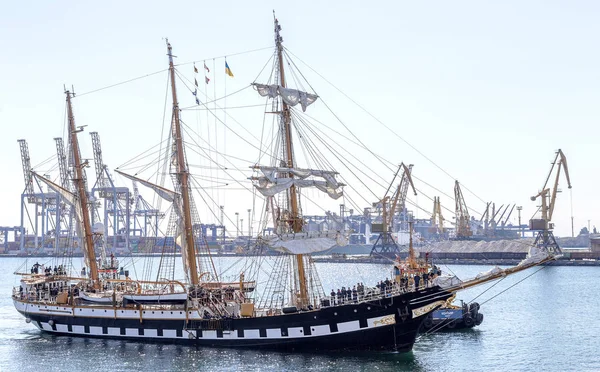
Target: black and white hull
387,323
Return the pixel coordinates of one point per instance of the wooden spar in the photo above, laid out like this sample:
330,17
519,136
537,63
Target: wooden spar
82,195
296,221
511,270
182,173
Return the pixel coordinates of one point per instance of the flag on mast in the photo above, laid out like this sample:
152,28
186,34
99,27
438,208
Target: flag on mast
228,70
206,67
206,79
195,68
195,82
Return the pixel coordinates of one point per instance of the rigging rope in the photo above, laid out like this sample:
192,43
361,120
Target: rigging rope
121,83
383,124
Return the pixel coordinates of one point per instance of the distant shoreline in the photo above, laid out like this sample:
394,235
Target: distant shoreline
364,259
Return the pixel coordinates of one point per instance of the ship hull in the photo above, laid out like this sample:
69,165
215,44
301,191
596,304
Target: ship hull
390,323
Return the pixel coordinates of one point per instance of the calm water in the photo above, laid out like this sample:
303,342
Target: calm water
547,322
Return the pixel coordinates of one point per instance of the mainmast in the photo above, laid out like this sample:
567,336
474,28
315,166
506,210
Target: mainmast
79,181
295,221
182,177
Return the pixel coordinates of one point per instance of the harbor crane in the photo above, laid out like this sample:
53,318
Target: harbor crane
117,200
463,227
385,243
64,211
437,220
505,222
485,218
65,180
545,238
42,219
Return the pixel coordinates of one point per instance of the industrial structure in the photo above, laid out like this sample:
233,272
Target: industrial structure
543,226
385,244
129,221
463,221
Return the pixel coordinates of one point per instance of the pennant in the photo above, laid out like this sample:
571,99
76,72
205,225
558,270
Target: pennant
206,67
195,92
228,70
207,79
197,101
195,81
195,68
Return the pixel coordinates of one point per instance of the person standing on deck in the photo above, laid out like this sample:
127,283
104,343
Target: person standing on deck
417,279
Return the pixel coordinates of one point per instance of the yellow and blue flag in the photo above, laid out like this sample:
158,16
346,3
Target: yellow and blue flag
228,70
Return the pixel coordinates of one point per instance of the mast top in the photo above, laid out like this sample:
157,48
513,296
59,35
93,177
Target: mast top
278,38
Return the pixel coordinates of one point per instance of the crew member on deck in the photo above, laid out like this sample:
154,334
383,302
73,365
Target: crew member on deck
417,280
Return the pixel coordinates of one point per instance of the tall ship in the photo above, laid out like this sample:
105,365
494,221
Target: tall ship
203,309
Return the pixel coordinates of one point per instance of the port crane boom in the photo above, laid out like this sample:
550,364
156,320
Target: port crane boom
463,228
545,237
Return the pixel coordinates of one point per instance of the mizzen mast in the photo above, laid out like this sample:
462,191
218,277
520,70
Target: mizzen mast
79,181
182,173
295,221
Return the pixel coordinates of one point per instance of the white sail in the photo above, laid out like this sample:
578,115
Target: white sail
73,201
270,184
290,96
164,193
306,242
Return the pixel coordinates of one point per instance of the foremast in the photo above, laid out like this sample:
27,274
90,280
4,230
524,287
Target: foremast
182,174
80,186
295,220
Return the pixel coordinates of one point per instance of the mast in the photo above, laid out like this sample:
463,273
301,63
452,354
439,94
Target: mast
82,194
182,177
295,220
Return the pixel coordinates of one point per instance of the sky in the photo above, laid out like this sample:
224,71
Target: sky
487,91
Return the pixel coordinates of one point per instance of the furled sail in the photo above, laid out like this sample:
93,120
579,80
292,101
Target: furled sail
306,242
290,96
73,201
180,238
175,198
271,183
164,193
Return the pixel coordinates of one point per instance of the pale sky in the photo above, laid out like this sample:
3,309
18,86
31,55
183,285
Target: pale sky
487,90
